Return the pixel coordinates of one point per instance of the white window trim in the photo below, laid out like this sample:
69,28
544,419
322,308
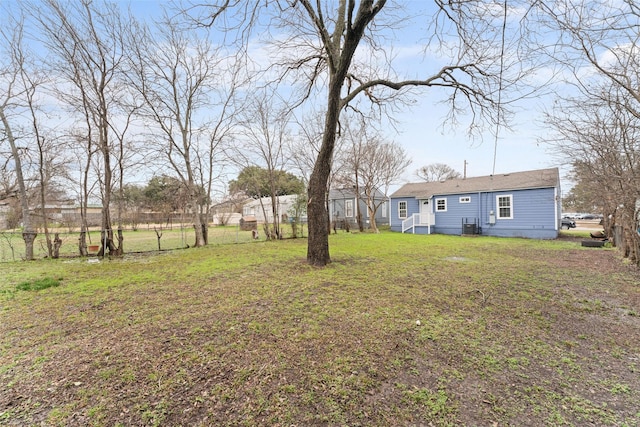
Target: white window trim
510,197
438,205
406,209
465,199
348,206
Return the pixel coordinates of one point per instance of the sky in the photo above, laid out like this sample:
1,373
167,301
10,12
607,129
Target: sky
424,137
427,141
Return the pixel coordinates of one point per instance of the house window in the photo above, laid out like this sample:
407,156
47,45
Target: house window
348,207
247,211
505,207
402,209
466,199
441,205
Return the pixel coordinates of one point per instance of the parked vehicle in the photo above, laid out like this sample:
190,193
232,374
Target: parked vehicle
567,224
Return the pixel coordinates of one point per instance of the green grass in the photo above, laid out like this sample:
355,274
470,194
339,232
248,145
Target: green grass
397,330
144,239
38,285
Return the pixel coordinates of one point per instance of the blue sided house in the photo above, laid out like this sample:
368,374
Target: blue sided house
519,204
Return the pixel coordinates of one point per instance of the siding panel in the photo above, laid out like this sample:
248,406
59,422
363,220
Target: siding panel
535,213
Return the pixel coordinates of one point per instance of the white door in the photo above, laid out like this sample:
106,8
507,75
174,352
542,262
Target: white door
425,211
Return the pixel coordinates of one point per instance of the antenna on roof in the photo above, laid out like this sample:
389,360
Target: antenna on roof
504,29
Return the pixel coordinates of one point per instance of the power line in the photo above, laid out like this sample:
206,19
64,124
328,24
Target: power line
495,145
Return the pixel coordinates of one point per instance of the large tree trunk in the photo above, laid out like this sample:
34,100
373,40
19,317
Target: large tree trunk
29,237
318,243
339,62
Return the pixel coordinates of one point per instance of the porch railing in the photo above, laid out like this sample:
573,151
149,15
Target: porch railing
416,220
410,223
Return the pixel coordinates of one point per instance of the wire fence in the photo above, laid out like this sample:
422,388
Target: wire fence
142,239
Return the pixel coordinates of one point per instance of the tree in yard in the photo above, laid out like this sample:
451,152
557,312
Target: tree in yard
263,140
254,181
258,183
17,95
380,164
600,55
437,172
327,41
599,140
316,44
183,80
85,43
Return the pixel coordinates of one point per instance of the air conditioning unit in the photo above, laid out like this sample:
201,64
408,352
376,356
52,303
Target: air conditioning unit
469,229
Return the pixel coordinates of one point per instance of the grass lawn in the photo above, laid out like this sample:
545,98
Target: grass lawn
144,239
397,330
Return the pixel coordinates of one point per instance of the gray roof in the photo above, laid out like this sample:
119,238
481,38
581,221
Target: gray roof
541,178
350,192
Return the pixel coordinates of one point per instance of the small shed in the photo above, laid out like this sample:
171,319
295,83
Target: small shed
248,223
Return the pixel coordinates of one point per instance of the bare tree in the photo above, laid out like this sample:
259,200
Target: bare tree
263,141
381,165
85,41
437,172
316,46
183,80
372,165
599,140
598,47
326,41
17,95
